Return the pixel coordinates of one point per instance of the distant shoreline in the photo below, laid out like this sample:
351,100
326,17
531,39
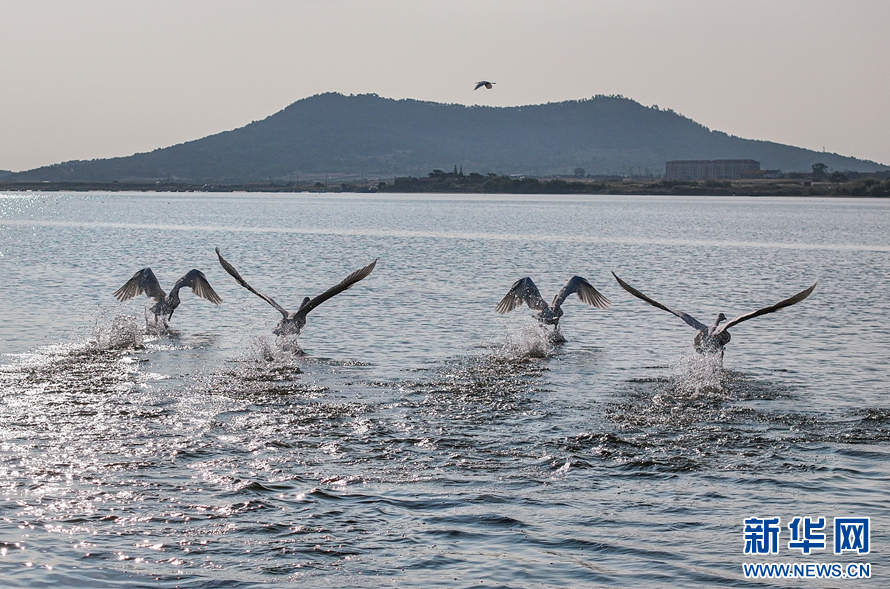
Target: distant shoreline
476,184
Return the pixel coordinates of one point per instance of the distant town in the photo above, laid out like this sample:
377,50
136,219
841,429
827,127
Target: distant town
741,177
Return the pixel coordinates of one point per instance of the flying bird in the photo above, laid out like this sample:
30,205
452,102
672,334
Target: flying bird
712,338
292,323
484,83
145,281
525,291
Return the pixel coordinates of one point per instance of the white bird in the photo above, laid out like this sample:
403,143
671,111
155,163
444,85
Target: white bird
483,83
292,323
711,339
525,291
145,281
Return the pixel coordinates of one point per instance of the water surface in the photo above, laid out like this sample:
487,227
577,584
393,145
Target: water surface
422,439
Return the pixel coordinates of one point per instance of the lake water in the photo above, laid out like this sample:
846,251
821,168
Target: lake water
423,440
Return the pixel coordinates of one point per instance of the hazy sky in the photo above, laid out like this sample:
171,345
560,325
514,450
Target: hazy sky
102,78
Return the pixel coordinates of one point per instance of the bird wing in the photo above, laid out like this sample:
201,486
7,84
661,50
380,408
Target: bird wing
585,291
786,303
689,319
195,280
347,283
522,291
143,281
234,273
479,85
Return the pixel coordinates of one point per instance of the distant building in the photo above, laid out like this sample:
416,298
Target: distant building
711,169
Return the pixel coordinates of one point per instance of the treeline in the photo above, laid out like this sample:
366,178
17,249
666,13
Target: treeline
867,187
438,181
456,182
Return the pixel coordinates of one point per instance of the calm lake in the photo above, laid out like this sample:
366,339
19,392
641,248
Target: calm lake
421,439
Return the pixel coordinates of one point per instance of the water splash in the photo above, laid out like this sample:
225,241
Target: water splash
699,375
527,341
284,349
121,333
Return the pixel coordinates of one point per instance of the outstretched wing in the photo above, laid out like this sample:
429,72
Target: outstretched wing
522,291
234,273
347,283
585,291
144,281
786,303
689,319
195,280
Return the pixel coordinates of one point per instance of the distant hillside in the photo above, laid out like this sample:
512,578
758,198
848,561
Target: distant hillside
365,134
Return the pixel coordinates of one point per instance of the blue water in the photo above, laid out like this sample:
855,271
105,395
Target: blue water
420,439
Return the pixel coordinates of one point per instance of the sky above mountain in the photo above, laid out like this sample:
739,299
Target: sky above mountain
103,78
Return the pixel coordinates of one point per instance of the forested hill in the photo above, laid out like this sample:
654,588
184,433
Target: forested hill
366,134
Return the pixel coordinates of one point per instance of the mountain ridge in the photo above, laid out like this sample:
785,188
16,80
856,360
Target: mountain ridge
332,133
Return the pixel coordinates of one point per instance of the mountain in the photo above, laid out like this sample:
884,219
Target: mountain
366,134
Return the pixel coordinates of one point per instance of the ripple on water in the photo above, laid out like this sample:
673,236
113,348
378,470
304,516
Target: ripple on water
427,451
259,472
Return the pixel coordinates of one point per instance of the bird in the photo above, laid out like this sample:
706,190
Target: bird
712,339
525,291
293,323
145,281
488,85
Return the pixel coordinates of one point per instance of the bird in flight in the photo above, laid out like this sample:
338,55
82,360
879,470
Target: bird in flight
488,85
292,323
525,291
145,281
711,339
